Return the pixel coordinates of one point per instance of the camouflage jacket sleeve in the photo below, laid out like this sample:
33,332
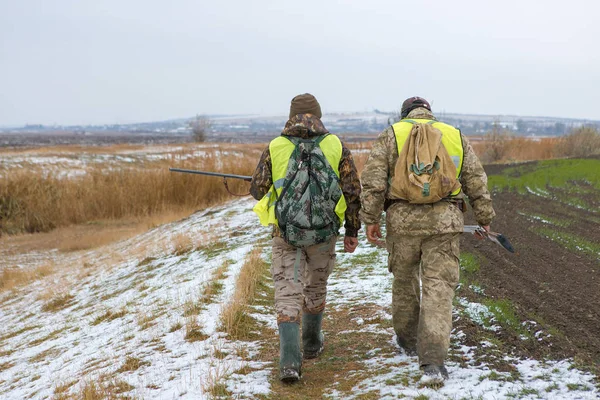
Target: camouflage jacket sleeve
262,178
351,188
474,184
375,176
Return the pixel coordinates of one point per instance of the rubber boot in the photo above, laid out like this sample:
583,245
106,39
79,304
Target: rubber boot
434,372
290,359
312,337
408,349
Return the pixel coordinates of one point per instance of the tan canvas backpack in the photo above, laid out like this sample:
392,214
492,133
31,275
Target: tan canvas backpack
424,172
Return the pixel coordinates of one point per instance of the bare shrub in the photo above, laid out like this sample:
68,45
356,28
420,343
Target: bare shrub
200,126
497,143
581,142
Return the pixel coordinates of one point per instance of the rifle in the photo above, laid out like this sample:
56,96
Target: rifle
497,238
224,176
192,171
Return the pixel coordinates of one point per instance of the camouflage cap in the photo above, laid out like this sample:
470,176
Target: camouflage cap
411,103
305,104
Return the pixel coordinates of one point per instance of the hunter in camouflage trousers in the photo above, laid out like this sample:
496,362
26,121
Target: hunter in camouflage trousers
423,244
316,261
300,273
300,278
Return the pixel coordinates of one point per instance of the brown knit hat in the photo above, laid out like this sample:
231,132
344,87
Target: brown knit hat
305,104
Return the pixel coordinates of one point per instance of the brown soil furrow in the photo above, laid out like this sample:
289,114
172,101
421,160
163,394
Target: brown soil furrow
545,279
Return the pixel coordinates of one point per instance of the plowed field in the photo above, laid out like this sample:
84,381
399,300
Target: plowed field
551,214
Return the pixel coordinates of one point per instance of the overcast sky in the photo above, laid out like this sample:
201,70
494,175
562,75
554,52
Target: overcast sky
117,61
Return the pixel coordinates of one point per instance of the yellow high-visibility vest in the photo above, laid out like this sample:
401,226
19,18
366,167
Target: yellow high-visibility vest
450,139
281,149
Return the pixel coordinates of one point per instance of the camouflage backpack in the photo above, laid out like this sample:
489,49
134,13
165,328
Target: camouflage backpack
305,209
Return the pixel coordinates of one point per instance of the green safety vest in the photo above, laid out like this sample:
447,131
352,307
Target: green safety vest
450,139
281,149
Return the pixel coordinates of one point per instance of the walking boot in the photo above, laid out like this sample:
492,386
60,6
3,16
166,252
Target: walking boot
312,337
432,372
408,348
290,359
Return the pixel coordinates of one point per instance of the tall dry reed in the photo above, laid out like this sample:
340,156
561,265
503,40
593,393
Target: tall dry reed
514,148
34,202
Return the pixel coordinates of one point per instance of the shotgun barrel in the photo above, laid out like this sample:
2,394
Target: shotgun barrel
192,171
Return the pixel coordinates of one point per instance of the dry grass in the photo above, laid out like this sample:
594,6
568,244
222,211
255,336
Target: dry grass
581,142
505,147
182,244
508,148
360,153
36,200
11,278
58,302
101,389
145,319
214,382
52,335
175,327
77,237
98,235
193,306
109,316
215,286
234,318
131,364
62,389
31,201
193,330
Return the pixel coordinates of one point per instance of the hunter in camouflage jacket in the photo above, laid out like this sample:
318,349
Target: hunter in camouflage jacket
421,219
306,126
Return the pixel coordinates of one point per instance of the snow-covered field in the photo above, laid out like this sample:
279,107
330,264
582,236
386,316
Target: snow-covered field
118,312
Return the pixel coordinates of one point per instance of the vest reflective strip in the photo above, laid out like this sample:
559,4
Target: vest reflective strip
450,139
281,150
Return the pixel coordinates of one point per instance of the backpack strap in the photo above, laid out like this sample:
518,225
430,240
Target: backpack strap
296,140
320,138
410,121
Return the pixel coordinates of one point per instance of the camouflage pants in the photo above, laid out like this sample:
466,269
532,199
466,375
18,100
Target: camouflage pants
426,272
300,278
